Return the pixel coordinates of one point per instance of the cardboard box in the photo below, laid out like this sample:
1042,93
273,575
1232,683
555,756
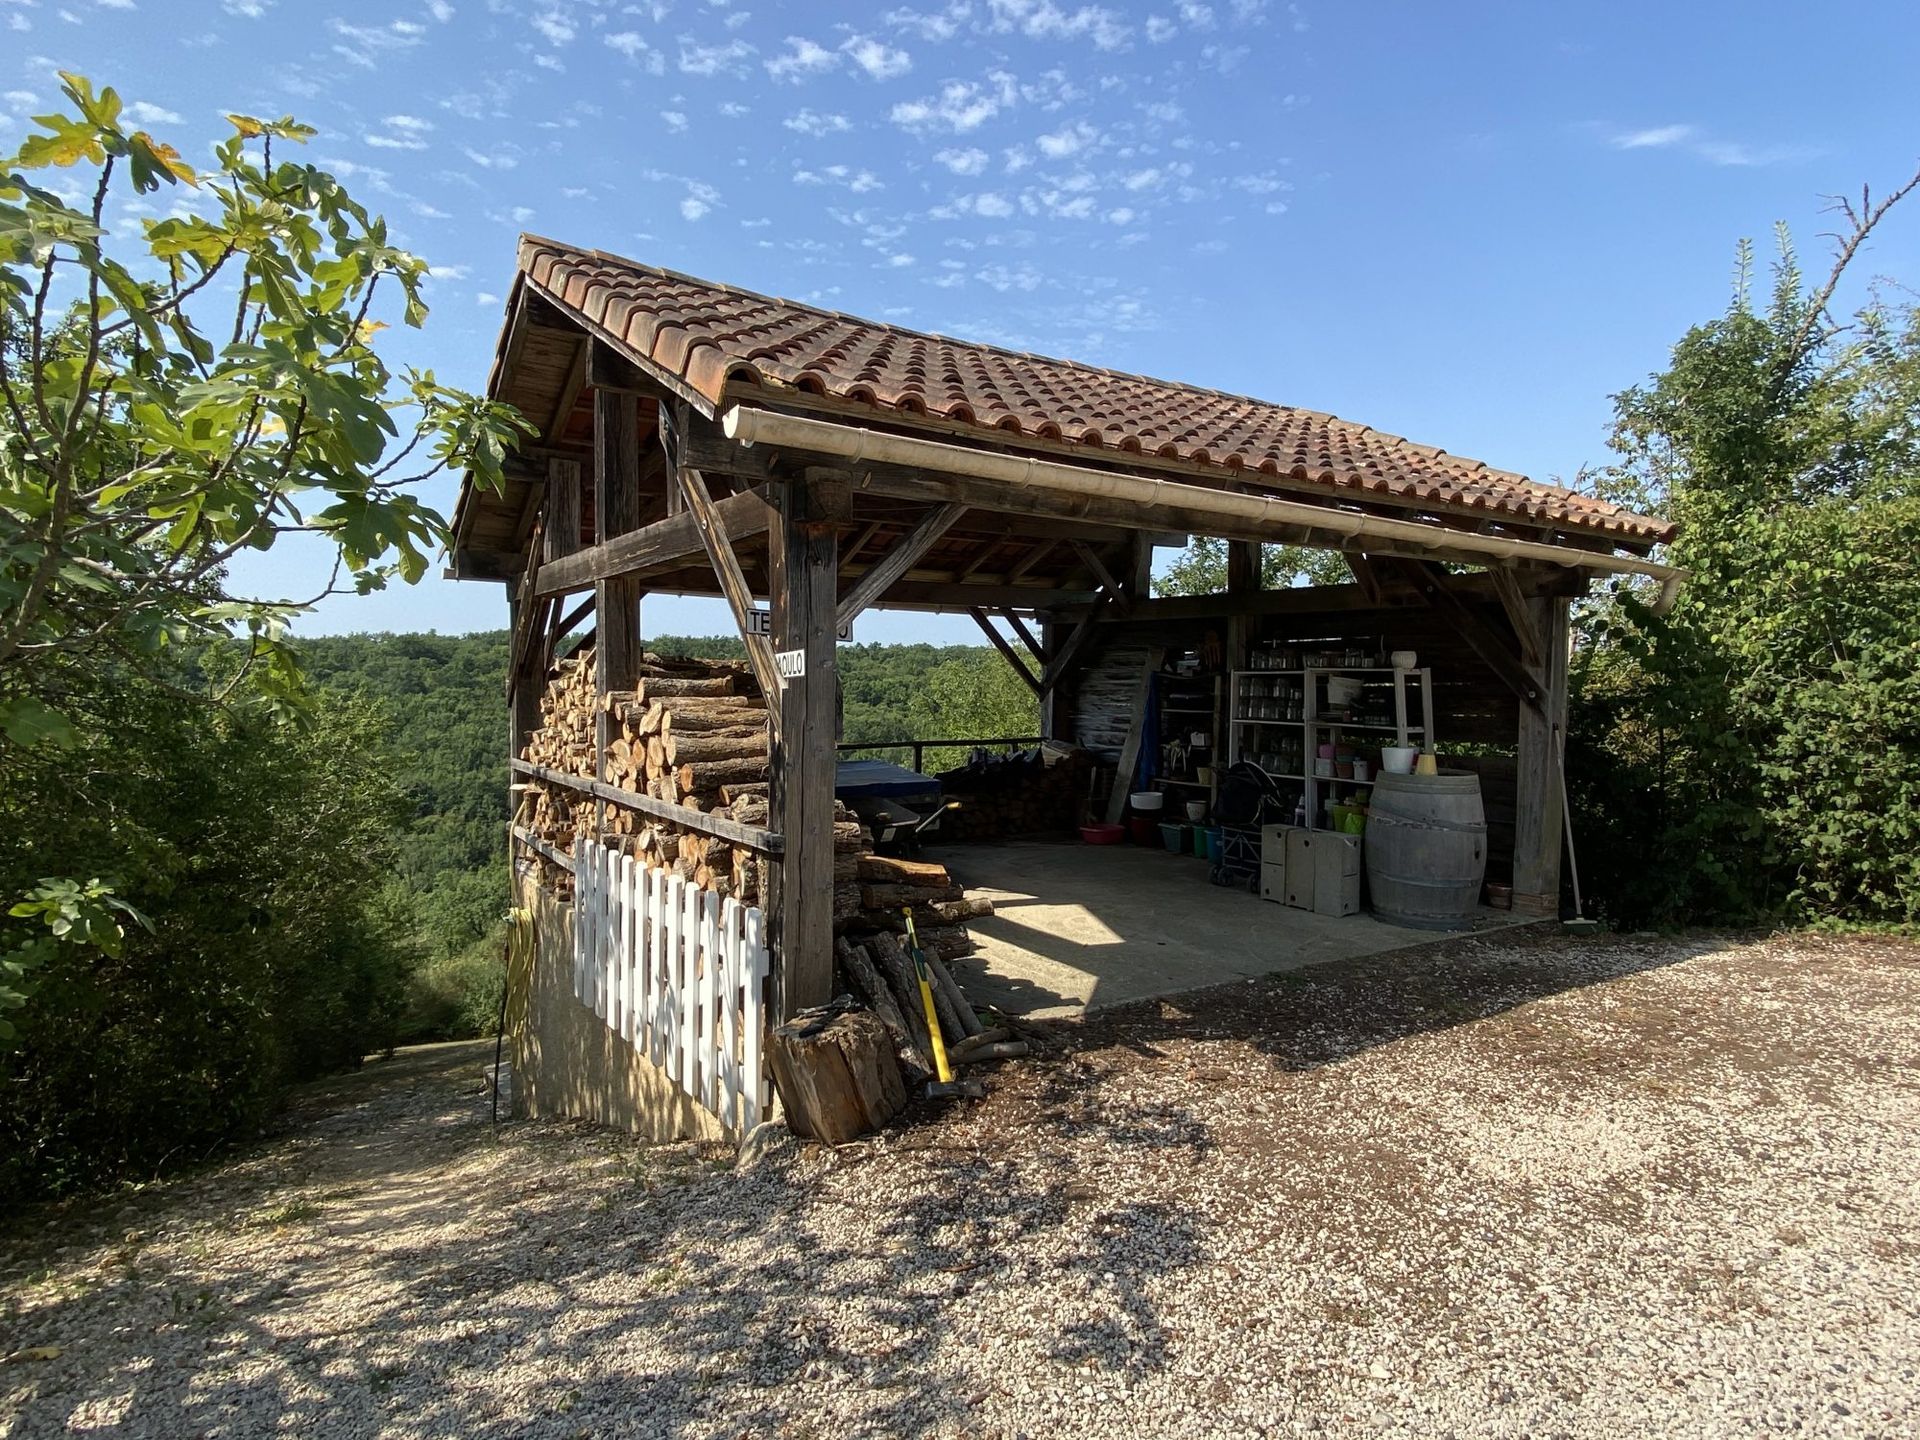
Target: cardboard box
1336,874
1273,883
1298,879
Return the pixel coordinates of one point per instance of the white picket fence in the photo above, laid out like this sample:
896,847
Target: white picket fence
676,972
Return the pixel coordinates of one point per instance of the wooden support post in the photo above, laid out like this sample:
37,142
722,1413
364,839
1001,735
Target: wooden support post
803,561
1012,617
1243,582
561,533
616,510
1538,802
1053,695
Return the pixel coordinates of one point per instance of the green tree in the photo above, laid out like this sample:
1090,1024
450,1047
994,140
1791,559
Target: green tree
168,401
1201,568
1757,752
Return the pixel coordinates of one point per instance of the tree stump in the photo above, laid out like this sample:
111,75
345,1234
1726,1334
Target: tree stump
836,1073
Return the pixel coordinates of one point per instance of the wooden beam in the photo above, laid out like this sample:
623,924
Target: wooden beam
803,564
1093,562
1520,615
570,389
1012,618
1032,558
851,553
1063,659
766,842
663,545
534,842
897,561
1492,647
714,536
1006,650
608,369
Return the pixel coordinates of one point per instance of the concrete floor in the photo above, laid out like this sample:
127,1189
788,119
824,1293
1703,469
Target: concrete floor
1081,927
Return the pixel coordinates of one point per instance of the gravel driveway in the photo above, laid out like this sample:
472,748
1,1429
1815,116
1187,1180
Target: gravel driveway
1525,1186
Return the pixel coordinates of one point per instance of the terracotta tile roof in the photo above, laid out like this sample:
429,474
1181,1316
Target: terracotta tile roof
711,337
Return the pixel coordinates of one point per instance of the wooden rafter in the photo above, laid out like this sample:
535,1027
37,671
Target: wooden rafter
1000,644
659,546
1012,617
897,561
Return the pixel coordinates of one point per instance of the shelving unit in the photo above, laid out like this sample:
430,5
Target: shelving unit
1180,717
1285,744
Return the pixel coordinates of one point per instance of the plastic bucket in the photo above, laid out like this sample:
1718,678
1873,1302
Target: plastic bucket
1143,830
1174,837
1215,842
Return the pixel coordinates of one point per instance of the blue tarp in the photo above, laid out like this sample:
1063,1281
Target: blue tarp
879,779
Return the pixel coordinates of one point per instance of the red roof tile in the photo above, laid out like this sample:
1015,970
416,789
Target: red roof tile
708,335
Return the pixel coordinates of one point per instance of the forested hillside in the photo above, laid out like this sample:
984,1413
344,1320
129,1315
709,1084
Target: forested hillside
443,701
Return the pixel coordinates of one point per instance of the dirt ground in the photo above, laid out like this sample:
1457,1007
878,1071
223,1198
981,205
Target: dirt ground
1522,1185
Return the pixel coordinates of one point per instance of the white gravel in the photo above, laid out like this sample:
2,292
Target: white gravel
1517,1187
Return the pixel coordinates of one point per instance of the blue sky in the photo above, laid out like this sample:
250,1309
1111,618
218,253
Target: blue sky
1468,224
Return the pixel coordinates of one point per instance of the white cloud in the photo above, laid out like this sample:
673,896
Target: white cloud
448,272
803,58
992,206
1121,215
960,106
429,212
1160,29
1143,179
881,62
366,45
1043,20
141,113
1265,183
934,25
522,214
860,182
395,142
963,162
555,26
246,9
1004,278
674,120
495,161
733,109
116,4
728,59
693,207
899,262
1657,138
440,10
1709,148
1196,16
633,45
1068,141
486,297
812,122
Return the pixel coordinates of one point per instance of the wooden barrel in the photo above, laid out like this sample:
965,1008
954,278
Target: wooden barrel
1426,849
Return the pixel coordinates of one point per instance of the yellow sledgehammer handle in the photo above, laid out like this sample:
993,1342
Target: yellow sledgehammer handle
925,977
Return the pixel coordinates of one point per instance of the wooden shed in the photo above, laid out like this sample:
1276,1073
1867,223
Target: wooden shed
700,439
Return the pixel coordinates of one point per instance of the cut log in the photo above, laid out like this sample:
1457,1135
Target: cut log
713,774
715,745
867,983
886,869
836,1073
676,686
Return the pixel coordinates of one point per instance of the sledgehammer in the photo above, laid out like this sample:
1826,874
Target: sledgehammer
945,1087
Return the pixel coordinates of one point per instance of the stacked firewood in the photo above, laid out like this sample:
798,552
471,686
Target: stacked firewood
691,732
694,733
1040,791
